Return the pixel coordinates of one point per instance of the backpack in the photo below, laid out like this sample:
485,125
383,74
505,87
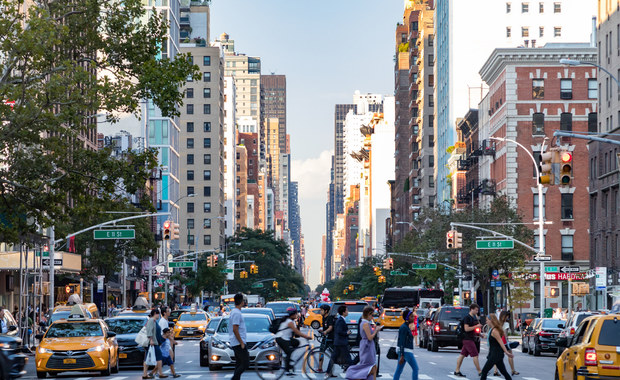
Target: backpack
274,328
460,330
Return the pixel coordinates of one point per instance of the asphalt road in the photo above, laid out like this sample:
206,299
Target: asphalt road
433,365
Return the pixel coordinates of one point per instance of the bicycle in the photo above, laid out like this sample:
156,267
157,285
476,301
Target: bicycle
267,370
319,357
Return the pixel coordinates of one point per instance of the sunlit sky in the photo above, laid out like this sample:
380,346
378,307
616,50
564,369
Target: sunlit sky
327,49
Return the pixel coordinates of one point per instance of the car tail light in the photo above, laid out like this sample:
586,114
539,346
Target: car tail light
572,331
590,356
545,334
436,327
429,323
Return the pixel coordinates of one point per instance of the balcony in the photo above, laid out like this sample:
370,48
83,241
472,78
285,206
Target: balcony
487,187
463,164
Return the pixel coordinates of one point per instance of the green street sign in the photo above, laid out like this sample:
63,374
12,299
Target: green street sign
45,253
495,244
552,269
423,266
397,273
181,264
258,285
114,234
227,270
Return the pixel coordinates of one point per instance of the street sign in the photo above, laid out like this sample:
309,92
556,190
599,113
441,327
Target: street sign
397,273
601,278
46,262
553,269
258,285
542,258
114,234
492,284
227,270
573,269
423,266
461,276
45,253
495,274
181,264
498,284
495,244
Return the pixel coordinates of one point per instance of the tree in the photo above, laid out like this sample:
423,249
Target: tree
520,292
64,63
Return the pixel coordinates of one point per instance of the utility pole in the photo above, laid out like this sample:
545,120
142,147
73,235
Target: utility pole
52,250
460,280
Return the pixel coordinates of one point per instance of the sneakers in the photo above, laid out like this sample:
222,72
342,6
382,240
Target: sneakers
460,374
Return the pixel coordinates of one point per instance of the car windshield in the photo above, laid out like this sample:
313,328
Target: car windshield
126,326
213,323
454,314
257,311
223,327
610,333
581,317
393,313
257,325
192,317
551,323
280,307
74,330
64,315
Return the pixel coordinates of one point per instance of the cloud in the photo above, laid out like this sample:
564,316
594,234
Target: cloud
313,175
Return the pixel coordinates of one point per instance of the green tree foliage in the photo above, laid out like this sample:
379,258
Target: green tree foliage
64,63
207,279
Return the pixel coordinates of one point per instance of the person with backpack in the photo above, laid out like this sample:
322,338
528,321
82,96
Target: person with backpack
285,339
497,349
469,324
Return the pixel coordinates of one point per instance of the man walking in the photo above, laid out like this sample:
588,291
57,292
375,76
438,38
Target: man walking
153,332
238,338
164,323
470,323
341,341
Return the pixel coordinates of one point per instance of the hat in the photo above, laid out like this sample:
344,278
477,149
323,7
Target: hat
291,311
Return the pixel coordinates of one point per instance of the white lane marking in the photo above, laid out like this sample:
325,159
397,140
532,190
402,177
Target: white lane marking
118,378
228,376
455,377
82,378
530,378
494,377
424,377
196,344
194,376
189,361
433,363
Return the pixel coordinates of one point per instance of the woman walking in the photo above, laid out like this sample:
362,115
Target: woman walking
405,347
503,319
497,349
366,368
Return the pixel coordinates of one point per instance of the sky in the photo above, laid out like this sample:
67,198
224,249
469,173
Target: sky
327,49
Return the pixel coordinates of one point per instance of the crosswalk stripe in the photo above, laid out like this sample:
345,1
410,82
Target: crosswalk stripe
530,378
228,376
194,376
424,377
386,375
433,363
311,375
118,378
455,377
82,378
494,377
189,361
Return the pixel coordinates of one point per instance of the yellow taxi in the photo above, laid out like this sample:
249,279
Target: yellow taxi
391,318
191,324
77,344
63,312
593,352
314,318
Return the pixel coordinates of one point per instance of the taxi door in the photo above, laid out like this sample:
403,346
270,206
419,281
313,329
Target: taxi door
571,354
608,346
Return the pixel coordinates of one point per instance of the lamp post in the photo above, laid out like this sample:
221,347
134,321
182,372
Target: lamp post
574,62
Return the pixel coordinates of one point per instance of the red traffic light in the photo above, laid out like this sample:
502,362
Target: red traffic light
450,234
167,224
566,157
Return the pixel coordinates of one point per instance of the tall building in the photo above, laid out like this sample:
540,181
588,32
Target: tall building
273,103
458,86
244,212
341,111
230,161
294,222
330,220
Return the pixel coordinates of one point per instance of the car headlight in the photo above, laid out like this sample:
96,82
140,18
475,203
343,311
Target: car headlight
177,327
95,349
219,344
202,328
268,344
43,350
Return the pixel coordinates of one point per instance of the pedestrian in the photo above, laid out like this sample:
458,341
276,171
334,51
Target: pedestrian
237,336
153,332
497,349
470,324
284,337
366,368
340,353
327,329
167,354
503,320
164,323
405,347
414,330
4,328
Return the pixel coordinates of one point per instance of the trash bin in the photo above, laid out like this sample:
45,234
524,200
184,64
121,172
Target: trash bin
548,313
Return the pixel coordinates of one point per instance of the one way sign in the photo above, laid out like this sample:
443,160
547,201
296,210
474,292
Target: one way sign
569,269
57,262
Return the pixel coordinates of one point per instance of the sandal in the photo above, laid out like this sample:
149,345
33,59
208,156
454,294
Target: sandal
515,373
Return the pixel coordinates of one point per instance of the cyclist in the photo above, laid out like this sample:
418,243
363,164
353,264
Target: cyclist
285,339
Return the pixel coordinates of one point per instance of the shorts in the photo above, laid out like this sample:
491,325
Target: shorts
469,348
167,360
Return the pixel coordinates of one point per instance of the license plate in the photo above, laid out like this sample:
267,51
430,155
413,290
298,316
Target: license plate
122,356
69,361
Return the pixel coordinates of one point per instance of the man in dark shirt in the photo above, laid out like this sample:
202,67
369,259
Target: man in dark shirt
341,340
470,323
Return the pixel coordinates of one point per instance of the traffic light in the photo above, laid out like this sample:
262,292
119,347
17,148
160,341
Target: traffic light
381,279
450,235
167,229
160,296
552,292
466,295
253,269
175,231
210,261
275,284
345,291
243,274
546,168
458,239
215,258
351,287
566,167
388,263
376,269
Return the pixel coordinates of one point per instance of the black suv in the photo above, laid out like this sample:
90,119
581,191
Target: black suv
355,309
443,326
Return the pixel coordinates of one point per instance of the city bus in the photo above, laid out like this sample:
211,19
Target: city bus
410,296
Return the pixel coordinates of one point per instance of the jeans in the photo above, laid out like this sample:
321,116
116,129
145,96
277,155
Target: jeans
409,358
497,360
242,361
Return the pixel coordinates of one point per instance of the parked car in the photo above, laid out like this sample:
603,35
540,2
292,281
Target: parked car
543,336
352,323
443,327
127,328
571,325
12,359
259,310
216,352
592,352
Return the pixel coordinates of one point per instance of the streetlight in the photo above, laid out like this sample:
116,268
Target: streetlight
574,62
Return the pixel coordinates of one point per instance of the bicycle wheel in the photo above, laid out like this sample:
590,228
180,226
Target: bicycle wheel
317,364
270,371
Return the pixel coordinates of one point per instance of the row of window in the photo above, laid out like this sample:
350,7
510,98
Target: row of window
525,7
206,143
206,93
206,159
206,109
566,89
566,122
525,32
567,246
206,207
206,175
566,208
206,126
191,240
206,60
206,191
206,223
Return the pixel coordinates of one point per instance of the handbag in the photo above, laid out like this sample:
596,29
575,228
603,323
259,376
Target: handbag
141,338
151,360
392,354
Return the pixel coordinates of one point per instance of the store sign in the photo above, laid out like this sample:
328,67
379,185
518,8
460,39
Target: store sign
552,276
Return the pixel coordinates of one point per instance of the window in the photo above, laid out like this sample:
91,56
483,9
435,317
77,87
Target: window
190,109
207,240
431,59
190,224
431,100
541,7
190,206
206,223
206,126
508,7
206,76
206,142
207,159
206,109
206,207
431,161
206,92
557,31
190,190
190,159
567,247
508,32
431,80
525,7
538,88
190,127
431,141
566,89
431,40
544,205
190,175
525,31
592,89
541,31
190,59
538,123
190,143
592,122
206,60
566,121
557,7
190,239
431,181
206,175
189,93
206,191
567,206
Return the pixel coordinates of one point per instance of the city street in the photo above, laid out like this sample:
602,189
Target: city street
433,365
